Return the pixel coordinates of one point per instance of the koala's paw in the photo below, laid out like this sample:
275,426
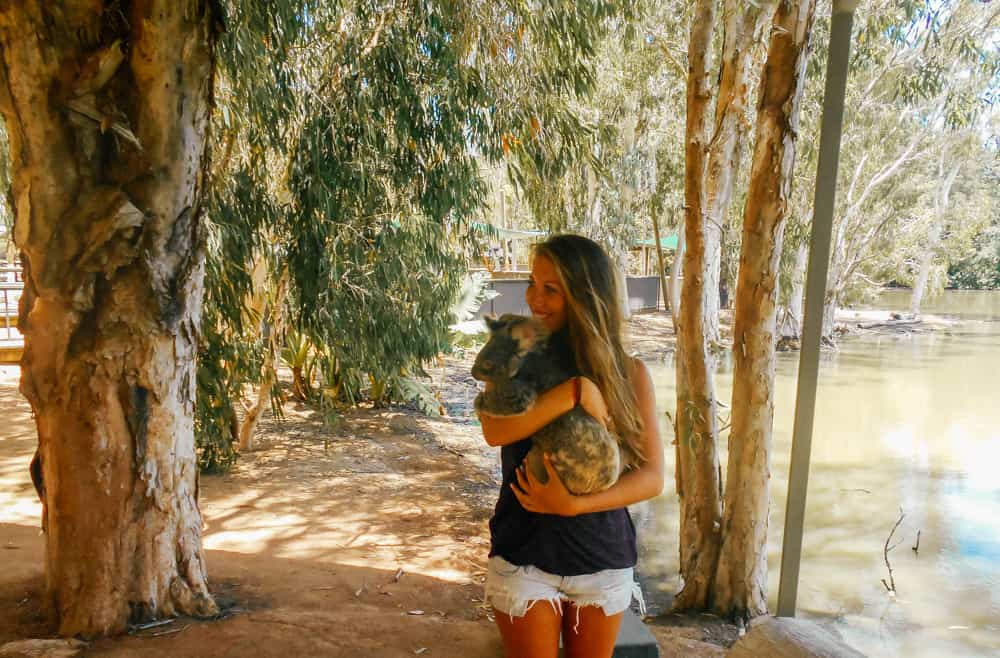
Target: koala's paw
519,399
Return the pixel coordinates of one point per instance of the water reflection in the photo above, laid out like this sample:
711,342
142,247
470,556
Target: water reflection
910,423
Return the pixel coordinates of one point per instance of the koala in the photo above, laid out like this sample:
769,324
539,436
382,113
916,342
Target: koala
516,362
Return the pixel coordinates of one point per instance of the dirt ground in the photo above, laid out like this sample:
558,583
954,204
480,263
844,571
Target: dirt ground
366,538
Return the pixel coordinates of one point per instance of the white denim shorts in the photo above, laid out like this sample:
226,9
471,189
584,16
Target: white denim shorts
513,590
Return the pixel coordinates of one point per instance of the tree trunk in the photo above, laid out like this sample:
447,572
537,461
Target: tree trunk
926,261
661,268
744,23
622,258
675,281
741,579
830,303
793,325
696,427
275,339
107,114
941,200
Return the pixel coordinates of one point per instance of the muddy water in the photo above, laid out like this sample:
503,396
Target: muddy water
902,422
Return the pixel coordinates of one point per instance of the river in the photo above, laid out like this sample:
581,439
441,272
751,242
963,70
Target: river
907,423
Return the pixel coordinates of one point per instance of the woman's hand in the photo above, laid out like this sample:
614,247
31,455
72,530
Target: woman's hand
550,498
593,402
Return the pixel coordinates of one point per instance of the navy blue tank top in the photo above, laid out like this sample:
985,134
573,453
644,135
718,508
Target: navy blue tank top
560,545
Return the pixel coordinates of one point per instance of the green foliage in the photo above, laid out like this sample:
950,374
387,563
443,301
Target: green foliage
473,292
980,268
349,145
624,161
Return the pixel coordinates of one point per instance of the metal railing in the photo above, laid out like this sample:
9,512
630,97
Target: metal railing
11,286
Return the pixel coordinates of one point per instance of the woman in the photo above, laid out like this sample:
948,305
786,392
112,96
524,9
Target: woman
572,555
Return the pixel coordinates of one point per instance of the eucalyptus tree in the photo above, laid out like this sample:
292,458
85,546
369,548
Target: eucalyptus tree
921,69
107,112
947,199
713,151
723,563
941,223
623,162
979,266
741,577
355,181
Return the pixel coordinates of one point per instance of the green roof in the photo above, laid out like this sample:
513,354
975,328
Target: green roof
666,242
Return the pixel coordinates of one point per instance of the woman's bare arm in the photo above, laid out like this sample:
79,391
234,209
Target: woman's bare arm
640,484
646,481
558,400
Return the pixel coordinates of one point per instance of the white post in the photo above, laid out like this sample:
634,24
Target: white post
819,263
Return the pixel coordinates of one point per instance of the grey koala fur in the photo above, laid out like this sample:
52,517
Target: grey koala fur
515,360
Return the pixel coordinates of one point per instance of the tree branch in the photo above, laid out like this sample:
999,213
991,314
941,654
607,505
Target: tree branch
891,585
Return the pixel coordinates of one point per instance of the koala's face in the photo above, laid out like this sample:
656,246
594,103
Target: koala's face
511,338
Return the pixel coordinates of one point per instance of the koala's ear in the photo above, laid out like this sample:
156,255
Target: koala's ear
528,334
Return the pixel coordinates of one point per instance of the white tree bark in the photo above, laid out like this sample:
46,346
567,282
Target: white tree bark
744,24
851,240
741,578
108,117
942,198
696,427
793,325
676,272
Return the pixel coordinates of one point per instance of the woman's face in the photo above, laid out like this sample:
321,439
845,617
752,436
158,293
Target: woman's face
545,295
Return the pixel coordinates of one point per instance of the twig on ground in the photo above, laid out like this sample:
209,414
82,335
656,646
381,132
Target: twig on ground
170,631
916,547
150,624
891,585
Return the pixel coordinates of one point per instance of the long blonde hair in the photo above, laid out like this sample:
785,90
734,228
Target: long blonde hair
595,323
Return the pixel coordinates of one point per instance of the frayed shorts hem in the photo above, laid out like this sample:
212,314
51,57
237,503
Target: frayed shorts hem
513,589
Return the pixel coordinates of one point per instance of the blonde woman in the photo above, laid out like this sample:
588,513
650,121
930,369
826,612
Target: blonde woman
559,563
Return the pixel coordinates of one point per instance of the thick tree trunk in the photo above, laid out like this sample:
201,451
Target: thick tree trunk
741,579
744,23
107,114
696,428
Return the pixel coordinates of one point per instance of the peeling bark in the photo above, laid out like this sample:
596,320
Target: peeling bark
744,25
741,578
109,228
696,427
